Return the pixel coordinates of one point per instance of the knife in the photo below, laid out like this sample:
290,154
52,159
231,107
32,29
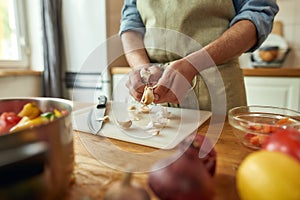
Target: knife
95,117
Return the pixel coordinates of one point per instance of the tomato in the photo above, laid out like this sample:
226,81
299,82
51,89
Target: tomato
265,130
268,175
256,140
8,120
286,141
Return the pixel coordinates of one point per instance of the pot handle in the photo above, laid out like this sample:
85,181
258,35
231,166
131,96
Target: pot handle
22,162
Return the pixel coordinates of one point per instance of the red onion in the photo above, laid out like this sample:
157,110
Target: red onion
188,177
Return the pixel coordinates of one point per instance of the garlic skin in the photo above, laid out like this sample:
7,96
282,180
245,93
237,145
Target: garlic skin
145,75
124,124
126,190
132,108
145,109
148,95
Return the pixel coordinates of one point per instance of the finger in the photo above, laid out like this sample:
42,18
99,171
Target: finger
162,91
180,87
131,85
164,95
136,94
155,70
156,73
135,87
135,77
172,87
167,78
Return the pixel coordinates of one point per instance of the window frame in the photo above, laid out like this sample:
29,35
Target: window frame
24,51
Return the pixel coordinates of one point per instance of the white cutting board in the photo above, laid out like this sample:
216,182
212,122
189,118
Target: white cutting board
181,123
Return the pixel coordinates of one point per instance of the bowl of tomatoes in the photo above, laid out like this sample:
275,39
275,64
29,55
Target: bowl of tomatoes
253,125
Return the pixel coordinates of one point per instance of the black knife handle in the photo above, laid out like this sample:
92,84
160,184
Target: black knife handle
102,101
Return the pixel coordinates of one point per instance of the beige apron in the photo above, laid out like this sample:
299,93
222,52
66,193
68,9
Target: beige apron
175,28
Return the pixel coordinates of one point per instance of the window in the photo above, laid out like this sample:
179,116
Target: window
12,34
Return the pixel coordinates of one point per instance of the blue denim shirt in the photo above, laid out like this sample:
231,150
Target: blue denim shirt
260,12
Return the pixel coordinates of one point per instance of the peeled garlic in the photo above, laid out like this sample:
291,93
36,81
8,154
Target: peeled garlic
148,95
104,119
156,133
154,128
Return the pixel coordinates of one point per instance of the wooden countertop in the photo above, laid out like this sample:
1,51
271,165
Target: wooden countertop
19,72
272,72
275,72
93,178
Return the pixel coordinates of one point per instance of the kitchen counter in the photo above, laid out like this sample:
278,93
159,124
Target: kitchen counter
92,178
272,72
19,72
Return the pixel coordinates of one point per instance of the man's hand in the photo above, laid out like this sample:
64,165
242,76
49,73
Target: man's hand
175,82
136,84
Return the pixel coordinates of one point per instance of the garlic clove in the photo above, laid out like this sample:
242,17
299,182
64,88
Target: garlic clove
148,95
104,119
156,133
132,108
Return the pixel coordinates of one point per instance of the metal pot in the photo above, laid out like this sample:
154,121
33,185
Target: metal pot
37,163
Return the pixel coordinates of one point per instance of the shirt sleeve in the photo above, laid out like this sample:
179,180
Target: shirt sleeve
131,19
260,12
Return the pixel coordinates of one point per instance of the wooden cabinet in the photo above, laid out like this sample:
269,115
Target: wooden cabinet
273,91
115,54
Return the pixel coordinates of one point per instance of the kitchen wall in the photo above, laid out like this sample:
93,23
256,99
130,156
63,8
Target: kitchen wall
83,30
20,86
84,33
289,16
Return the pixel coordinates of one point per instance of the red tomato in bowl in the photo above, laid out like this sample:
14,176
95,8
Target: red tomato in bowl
7,121
286,141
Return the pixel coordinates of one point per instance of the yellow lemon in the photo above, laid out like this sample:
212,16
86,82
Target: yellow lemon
265,175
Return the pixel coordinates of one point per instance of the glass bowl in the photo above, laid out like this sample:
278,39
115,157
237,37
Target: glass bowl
254,124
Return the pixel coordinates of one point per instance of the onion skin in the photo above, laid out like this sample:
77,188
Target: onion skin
184,179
